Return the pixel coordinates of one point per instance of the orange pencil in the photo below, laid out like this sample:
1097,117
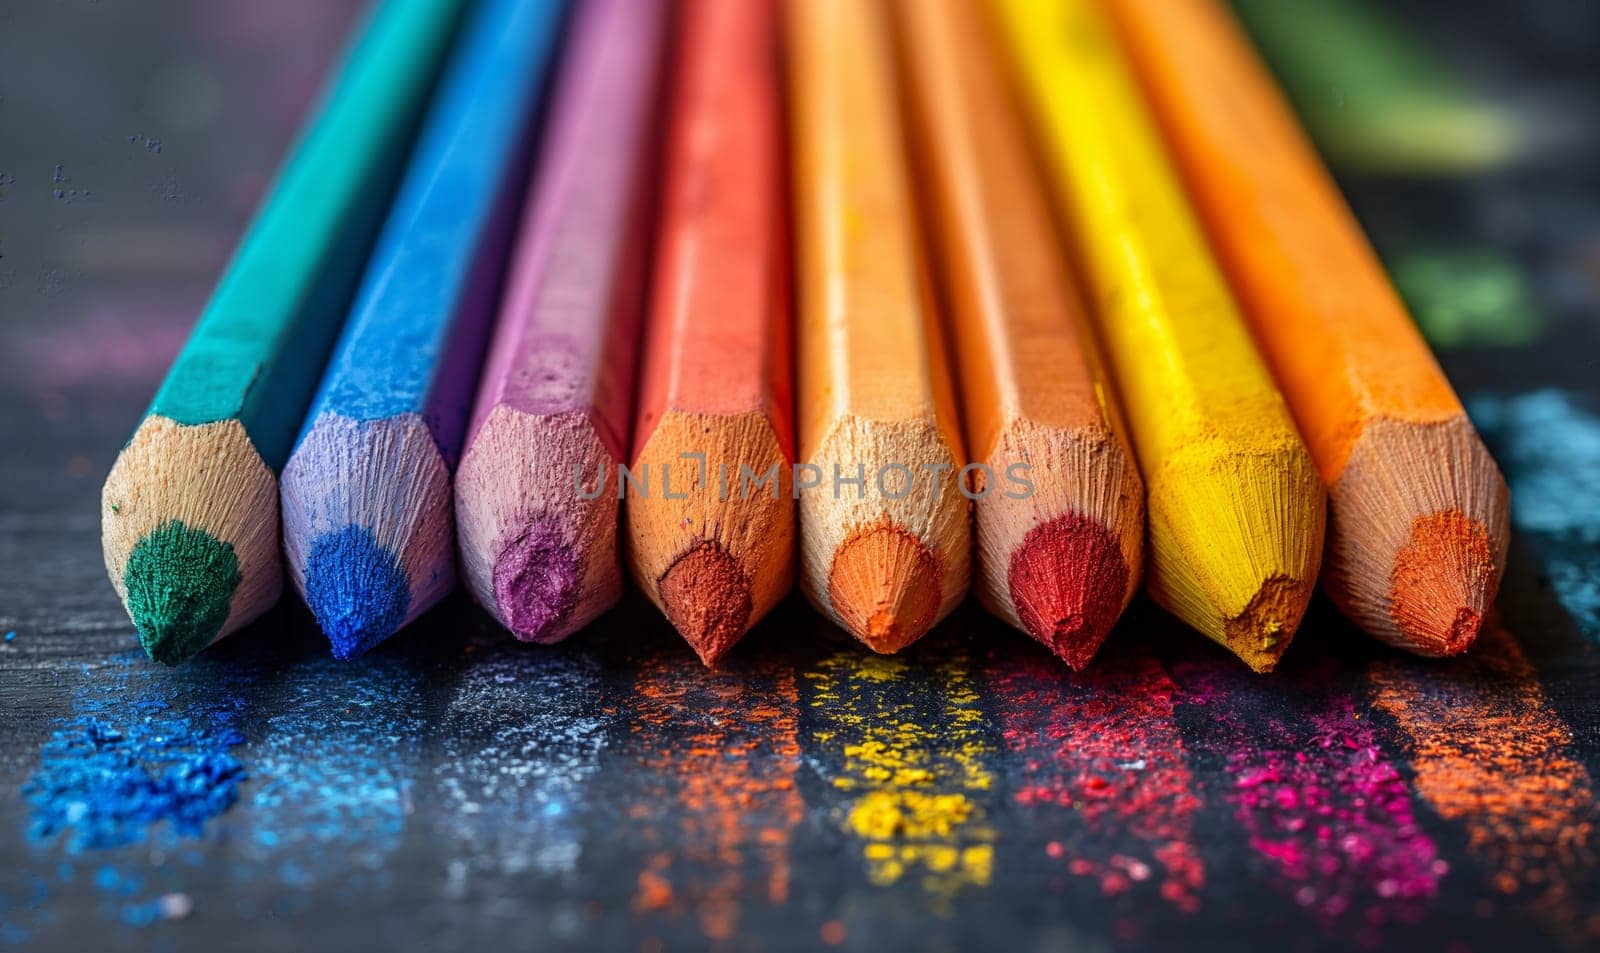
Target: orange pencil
716,404
884,533
1059,558
1418,522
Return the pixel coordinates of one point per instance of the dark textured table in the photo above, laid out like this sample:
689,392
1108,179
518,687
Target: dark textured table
455,790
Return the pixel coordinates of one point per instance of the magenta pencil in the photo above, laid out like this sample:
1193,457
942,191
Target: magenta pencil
536,500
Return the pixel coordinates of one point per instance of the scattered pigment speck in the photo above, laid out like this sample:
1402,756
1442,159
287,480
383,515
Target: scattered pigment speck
150,144
128,763
1550,447
719,804
903,743
1490,755
524,734
129,790
1105,771
63,192
1326,814
333,774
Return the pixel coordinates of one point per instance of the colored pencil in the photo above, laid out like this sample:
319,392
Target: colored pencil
716,376
888,556
1235,504
536,494
368,531
1060,556
189,513
1418,522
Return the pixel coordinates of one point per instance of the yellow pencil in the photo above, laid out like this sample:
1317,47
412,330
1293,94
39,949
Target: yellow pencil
1417,509
1235,504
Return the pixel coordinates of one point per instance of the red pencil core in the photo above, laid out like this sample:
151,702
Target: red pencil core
705,594
1068,581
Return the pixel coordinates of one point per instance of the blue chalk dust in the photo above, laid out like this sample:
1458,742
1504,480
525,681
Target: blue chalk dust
127,765
1549,445
333,776
107,783
126,790
356,589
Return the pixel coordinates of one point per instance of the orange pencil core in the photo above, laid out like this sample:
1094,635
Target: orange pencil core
884,585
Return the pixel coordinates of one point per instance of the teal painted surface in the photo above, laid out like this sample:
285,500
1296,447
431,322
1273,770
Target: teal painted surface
259,347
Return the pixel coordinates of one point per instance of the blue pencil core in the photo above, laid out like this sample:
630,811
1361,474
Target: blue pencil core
356,589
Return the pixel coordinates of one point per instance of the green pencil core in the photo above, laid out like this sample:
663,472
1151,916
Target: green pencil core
180,584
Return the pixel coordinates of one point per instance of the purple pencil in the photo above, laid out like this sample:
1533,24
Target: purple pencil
536,500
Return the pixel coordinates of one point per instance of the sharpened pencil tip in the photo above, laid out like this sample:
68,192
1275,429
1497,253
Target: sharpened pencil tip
707,598
1260,634
1442,583
356,589
884,586
180,583
1068,581
536,583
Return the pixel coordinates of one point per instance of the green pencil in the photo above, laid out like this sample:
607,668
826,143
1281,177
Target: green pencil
189,513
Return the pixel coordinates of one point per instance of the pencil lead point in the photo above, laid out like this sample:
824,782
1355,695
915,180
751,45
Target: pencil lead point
1068,581
1261,633
1442,583
356,589
180,583
536,583
884,586
707,598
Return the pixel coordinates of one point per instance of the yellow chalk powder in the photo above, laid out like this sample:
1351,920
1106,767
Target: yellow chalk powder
912,757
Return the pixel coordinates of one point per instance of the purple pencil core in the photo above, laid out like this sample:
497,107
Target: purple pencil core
536,583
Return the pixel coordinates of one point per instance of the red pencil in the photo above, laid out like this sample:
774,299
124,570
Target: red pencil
1060,524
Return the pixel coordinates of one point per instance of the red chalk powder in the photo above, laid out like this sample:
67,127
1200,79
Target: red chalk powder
1103,746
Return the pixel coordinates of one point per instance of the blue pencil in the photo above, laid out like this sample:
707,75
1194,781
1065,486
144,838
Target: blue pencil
367,521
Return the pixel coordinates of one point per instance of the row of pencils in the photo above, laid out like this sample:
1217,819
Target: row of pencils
1044,298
